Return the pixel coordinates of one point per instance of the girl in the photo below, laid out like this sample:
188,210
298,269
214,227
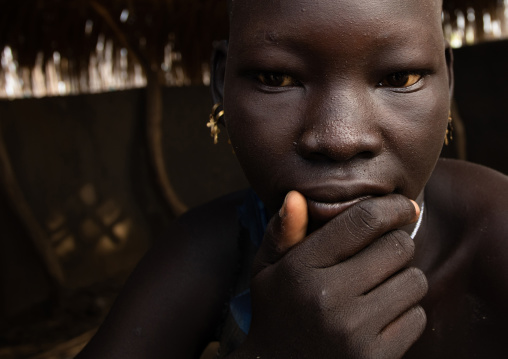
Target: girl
337,111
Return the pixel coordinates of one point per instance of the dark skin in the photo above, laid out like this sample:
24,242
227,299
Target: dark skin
343,105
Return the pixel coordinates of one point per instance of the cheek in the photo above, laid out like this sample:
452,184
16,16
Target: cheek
262,129
421,126
432,119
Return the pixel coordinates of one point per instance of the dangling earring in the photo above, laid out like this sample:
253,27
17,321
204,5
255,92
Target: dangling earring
449,130
215,117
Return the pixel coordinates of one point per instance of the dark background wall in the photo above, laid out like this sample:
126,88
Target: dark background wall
481,93
83,166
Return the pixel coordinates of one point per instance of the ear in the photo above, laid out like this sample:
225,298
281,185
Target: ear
449,65
218,70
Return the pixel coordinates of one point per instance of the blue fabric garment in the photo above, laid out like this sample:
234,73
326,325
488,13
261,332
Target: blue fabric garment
241,309
252,216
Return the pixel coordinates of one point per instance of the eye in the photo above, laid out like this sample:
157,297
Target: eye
274,79
401,79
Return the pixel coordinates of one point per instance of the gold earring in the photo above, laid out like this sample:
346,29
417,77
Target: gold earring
449,130
215,117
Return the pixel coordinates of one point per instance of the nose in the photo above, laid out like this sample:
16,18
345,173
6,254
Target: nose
340,127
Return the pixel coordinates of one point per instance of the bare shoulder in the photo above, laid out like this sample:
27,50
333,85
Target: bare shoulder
472,203
472,193
173,301
212,226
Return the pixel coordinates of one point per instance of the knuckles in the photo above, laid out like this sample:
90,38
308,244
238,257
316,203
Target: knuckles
379,214
367,216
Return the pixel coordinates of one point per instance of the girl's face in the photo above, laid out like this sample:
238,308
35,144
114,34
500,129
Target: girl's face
338,99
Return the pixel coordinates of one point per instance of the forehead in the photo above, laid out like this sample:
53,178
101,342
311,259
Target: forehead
335,8
334,20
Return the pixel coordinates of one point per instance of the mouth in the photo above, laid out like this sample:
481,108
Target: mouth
329,199
322,212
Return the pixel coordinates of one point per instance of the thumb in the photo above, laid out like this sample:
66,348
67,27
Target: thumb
285,229
293,220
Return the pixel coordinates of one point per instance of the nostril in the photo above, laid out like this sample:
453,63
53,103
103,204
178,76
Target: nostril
316,157
328,145
366,154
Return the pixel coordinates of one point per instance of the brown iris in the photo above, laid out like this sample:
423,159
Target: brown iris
401,79
274,79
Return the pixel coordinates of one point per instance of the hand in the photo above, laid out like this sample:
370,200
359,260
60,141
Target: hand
344,291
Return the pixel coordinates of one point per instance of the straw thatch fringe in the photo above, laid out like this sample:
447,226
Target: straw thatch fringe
171,37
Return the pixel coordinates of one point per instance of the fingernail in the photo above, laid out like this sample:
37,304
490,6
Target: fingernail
282,210
417,209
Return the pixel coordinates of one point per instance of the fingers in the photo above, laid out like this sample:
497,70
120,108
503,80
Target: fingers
390,313
283,232
348,273
378,262
397,295
293,220
355,229
402,333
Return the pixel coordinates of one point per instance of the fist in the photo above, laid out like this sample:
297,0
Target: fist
343,291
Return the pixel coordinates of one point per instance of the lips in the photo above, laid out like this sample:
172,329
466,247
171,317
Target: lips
321,212
326,201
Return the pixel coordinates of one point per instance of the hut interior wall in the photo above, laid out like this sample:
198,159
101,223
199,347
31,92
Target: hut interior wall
481,94
83,166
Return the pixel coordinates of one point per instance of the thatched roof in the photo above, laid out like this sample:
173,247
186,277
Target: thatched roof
73,28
